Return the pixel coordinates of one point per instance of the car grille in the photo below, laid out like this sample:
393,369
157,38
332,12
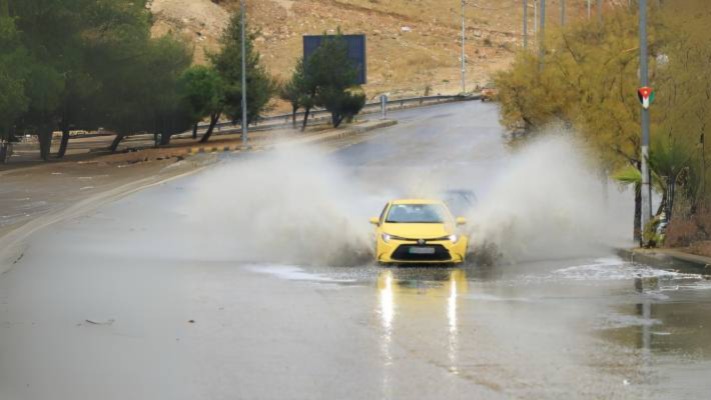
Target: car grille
402,253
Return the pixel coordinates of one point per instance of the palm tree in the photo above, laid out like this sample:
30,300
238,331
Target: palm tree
669,164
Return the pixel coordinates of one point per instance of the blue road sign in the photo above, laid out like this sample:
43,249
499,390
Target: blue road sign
356,52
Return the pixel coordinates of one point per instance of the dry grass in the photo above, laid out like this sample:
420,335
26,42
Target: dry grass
691,232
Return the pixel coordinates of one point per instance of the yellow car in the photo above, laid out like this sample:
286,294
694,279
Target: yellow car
418,231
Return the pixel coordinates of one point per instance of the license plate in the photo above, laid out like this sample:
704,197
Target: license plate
422,250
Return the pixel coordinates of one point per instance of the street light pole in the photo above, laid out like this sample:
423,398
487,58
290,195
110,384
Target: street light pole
525,24
542,33
644,80
245,117
464,61
562,12
599,11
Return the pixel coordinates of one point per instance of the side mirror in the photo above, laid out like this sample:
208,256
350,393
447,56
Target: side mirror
375,221
461,221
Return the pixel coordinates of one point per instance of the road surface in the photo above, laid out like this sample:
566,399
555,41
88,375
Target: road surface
249,281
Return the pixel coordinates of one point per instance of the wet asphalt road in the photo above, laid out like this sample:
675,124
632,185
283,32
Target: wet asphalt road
130,302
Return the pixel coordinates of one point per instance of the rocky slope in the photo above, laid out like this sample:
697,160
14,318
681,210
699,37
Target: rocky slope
412,44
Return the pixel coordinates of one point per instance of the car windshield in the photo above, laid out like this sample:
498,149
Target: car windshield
417,213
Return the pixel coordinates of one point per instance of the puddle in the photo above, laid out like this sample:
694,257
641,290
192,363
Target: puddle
611,269
294,273
616,321
488,297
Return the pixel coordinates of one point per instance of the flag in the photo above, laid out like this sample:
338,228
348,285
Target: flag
646,96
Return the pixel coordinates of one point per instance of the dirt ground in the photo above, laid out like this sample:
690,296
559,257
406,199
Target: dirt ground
411,45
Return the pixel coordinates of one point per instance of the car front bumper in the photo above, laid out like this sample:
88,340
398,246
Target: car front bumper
412,252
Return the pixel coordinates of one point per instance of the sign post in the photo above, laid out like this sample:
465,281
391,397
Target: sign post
646,95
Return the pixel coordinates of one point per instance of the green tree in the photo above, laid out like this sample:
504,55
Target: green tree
294,90
342,104
201,90
109,29
93,63
228,64
51,33
148,92
331,80
13,72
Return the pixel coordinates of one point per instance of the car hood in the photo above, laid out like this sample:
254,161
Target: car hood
418,231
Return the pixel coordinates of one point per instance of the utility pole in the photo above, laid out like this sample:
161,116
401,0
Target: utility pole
644,80
562,12
542,35
245,117
589,5
464,60
599,10
525,24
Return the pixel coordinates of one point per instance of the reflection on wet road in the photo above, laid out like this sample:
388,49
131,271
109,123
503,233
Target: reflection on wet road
635,327
601,328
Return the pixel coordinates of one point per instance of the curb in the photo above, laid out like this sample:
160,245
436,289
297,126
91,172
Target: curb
662,258
222,149
351,130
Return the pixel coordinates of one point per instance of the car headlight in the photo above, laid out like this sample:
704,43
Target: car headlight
387,238
452,238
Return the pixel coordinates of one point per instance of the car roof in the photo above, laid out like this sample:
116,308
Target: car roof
417,201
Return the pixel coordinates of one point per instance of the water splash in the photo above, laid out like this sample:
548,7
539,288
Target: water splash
548,203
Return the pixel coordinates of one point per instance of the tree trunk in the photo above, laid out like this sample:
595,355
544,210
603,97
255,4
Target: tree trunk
293,116
671,194
195,129
165,139
3,152
117,140
45,142
213,121
638,214
64,143
337,119
306,118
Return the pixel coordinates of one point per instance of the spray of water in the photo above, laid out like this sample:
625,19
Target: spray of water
547,203
291,205
296,205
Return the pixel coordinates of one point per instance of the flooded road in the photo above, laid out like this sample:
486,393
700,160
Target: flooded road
138,300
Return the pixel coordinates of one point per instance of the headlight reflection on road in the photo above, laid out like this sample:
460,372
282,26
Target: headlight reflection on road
386,302
452,345
403,298
387,311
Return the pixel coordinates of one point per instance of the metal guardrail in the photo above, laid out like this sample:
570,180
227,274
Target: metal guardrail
319,112
284,120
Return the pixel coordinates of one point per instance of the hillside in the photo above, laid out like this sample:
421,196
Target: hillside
412,44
